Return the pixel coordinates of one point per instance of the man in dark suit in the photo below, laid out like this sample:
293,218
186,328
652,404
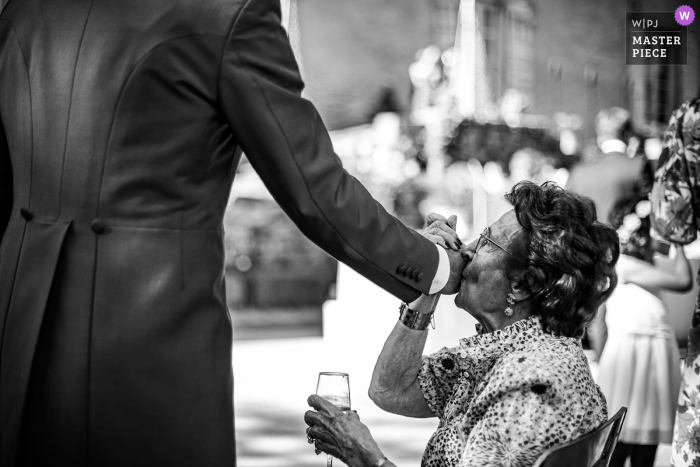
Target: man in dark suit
612,177
123,124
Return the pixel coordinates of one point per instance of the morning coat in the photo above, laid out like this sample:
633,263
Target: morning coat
122,125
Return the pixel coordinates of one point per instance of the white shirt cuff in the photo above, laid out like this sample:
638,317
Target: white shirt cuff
443,271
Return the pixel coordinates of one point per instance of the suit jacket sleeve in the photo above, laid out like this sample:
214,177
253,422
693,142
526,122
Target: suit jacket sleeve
288,145
5,182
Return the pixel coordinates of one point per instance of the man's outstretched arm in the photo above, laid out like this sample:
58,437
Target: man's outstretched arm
288,145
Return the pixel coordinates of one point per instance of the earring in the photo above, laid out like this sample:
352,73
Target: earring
511,300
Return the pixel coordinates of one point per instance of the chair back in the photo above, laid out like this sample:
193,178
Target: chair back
593,449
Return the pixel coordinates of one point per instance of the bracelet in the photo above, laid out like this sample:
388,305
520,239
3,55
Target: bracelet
414,319
381,461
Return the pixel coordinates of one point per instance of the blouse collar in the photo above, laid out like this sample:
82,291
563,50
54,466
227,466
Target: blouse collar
532,325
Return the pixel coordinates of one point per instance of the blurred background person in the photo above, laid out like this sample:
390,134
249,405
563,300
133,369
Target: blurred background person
530,164
533,280
639,365
675,218
612,177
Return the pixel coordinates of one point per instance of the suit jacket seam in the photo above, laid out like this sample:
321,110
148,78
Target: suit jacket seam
70,107
301,173
31,115
228,36
108,140
2,10
12,287
217,93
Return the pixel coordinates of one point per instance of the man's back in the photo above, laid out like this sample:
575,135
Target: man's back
90,87
109,115
123,122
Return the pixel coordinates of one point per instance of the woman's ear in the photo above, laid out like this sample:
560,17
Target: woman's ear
518,289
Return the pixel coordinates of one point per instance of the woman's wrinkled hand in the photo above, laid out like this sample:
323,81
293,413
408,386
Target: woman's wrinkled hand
441,231
340,434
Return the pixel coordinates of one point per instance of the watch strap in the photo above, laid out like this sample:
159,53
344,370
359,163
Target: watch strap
413,319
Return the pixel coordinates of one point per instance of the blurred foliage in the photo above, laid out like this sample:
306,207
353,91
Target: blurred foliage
270,263
498,142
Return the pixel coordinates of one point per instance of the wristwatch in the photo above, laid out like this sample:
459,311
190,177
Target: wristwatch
413,319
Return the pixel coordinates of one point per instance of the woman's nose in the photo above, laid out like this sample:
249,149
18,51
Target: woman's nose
469,250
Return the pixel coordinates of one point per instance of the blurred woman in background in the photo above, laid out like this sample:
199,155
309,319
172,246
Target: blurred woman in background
639,364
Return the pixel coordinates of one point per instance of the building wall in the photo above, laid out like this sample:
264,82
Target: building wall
683,80
586,40
579,34
351,50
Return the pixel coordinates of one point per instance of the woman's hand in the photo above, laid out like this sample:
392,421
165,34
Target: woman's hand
441,231
340,434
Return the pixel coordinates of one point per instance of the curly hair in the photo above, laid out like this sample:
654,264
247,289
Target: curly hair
639,243
562,256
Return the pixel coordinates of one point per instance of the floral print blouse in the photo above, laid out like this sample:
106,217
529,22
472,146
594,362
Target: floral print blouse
675,197
505,397
675,218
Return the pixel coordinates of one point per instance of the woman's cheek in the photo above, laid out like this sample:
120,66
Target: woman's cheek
475,275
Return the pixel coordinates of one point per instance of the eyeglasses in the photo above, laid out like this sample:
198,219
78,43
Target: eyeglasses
484,237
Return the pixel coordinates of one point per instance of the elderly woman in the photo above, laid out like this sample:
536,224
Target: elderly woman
533,280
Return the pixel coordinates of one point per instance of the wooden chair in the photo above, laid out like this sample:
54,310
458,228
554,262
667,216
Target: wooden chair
593,449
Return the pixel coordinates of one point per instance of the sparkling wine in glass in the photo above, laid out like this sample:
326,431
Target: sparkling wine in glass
335,388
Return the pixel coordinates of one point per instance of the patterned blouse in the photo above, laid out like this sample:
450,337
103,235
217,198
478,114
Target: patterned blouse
675,198
505,397
675,218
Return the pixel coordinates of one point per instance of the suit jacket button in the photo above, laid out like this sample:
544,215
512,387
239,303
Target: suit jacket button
414,274
420,277
408,272
401,270
98,227
26,215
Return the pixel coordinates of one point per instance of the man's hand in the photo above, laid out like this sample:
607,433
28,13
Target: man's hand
441,231
457,265
340,434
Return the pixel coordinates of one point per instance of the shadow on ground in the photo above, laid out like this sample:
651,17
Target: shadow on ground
275,438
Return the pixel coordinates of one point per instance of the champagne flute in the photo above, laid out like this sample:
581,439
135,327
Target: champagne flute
335,388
